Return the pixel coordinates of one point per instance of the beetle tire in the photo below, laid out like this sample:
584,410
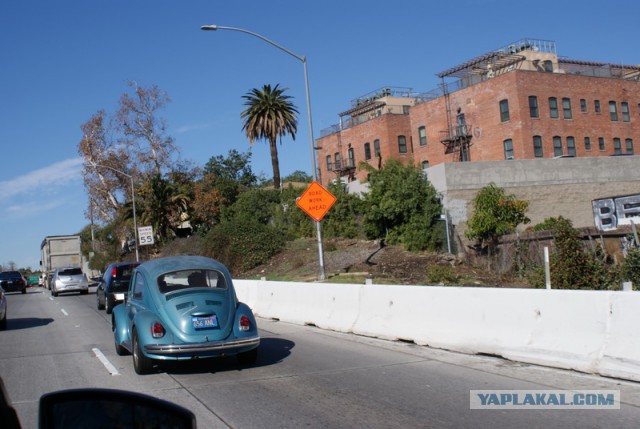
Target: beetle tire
141,364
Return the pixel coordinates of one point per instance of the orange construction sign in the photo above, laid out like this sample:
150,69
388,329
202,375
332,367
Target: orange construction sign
316,201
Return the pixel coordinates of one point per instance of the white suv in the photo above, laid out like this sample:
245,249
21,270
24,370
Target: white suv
69,279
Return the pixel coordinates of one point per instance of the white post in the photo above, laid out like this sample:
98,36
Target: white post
547,270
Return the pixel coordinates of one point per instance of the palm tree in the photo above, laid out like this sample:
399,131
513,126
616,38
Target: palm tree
269,115
160,205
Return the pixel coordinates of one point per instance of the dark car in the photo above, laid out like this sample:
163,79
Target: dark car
114,284
13,281
3,310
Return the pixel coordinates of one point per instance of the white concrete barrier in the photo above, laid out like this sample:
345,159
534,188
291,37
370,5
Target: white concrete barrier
621,350
589,331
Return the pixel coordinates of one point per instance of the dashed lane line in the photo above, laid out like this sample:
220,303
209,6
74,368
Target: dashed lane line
112,369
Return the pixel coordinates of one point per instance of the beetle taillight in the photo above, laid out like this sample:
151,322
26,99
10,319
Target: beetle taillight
157,330
245,323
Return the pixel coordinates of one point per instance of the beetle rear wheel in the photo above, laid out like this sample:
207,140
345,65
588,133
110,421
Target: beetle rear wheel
141,363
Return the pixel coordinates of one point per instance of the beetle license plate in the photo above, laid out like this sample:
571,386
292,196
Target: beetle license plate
204,322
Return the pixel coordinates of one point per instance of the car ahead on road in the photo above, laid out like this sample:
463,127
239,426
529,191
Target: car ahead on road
113,285
181,308
3,310
69,279
13,281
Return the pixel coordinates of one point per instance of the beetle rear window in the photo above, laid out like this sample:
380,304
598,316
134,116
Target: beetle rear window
185,279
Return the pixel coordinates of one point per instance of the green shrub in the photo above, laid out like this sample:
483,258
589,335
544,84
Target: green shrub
445,274
402,207
242,245
631,268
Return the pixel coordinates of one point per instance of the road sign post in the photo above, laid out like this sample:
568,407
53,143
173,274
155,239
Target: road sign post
316,201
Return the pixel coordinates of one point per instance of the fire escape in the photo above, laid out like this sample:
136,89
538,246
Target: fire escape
457,136
344,167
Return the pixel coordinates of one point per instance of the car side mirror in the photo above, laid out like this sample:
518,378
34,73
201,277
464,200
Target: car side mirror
80,408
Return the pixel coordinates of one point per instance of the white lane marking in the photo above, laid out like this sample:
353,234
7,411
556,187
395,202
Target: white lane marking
112,369
64,312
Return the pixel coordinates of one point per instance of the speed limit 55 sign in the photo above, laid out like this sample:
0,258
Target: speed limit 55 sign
145,235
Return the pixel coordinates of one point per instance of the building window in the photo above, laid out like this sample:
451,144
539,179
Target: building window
583,105
629,144
566,108
352,157
508,149
548,66
553,107
329,163
613,110
425,165
537,146
402,144
617,147
624,108
504,110
405,110
422,133
336,158
557,146
596,106
601,143
533,106
587,144
367,151
376,148
571,146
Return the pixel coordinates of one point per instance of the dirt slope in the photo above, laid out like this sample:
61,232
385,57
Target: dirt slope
357,260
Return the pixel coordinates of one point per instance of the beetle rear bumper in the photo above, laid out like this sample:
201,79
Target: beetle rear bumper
202,348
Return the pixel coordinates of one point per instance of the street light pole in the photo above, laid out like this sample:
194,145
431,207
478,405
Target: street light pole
133,203
312,142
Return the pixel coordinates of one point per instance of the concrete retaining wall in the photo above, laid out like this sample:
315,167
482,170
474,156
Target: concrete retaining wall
590,331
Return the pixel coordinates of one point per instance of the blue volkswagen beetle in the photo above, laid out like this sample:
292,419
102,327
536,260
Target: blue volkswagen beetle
183,307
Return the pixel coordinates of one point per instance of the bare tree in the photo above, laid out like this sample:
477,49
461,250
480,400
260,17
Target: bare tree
102,155
144,132
133,142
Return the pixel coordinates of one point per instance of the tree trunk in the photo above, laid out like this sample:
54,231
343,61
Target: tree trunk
274,163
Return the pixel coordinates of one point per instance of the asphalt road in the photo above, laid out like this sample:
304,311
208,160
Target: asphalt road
304,377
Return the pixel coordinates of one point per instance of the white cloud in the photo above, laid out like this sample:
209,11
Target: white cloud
54,175
34,208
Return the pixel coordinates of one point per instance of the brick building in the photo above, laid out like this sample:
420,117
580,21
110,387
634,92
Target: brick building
520,102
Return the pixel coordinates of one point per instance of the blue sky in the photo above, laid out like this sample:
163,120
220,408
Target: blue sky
61,61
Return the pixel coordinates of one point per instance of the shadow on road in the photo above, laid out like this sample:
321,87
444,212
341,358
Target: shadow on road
270,352
26,323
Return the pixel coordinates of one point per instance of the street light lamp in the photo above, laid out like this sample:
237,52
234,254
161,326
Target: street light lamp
133,202
312,143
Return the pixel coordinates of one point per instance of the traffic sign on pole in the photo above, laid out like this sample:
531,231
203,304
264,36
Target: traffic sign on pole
145,235
316,201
